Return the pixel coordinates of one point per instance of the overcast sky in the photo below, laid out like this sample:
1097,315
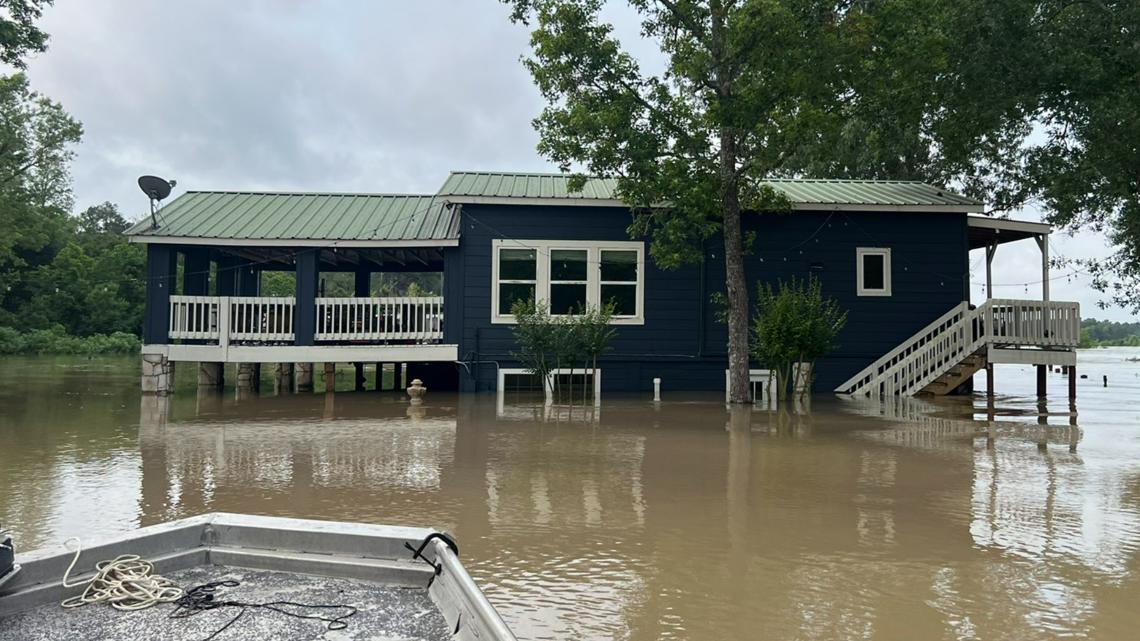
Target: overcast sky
331,95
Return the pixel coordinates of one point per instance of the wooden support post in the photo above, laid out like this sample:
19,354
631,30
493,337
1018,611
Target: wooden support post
990,251
1041,382
379,377
1043,244
990,381
359,376
330,377
1072,383
398,376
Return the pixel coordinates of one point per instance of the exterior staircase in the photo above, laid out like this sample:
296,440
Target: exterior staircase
940,357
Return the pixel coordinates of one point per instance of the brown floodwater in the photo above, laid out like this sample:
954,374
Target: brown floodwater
635,520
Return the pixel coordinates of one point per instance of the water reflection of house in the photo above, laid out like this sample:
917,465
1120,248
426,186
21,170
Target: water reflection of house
649,519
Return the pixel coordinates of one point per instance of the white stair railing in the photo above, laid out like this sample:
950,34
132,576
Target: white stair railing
960,332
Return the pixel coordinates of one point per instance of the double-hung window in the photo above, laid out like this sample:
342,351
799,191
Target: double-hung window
517,277
569,277
873,271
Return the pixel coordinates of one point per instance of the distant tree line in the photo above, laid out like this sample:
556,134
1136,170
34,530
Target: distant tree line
1098,333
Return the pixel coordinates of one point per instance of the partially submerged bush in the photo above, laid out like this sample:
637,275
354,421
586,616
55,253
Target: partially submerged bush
551,342
57,341
794,323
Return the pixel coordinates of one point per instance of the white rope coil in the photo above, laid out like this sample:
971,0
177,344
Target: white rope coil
127,582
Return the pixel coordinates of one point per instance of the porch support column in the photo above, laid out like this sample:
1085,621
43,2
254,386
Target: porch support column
362,288
307,275
1072,383
161,272
304,374
330,377
248,279
1042,370
362,284
196,272
227,273
990,251
211,375
283,377
1043,243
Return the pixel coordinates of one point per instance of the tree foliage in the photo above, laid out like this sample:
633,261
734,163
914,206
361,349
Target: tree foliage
19,35
794,323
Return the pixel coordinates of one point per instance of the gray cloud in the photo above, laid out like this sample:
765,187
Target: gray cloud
322,95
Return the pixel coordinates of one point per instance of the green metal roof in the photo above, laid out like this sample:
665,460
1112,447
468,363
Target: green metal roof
296,218
475,187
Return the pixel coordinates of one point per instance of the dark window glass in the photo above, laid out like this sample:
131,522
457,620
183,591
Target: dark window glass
874,271
510,292
517,264
567,299
624,298
567,264
619,266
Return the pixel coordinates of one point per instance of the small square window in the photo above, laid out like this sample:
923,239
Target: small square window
873,271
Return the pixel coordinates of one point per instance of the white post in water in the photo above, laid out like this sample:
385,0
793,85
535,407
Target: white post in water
657,390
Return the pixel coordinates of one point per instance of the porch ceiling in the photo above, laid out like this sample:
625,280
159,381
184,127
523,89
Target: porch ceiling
984,232
302,219
388,259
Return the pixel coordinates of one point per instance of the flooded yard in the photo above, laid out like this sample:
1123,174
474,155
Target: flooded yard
635,520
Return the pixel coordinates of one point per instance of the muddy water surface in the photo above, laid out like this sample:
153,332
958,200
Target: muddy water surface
639,521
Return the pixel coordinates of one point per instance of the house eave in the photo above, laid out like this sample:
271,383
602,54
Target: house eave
289,242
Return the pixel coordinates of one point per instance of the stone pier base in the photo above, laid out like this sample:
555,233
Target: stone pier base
283,378
157,374
211,374
247,376
304,377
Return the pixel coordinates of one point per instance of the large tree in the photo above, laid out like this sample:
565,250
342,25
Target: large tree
1086,173
746,84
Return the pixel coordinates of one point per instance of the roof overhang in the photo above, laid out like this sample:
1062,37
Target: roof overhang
290,242
610,202
984,232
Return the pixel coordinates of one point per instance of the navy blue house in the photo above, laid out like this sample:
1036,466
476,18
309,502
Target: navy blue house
895,255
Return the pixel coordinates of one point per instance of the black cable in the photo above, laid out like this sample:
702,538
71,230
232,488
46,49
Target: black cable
202,598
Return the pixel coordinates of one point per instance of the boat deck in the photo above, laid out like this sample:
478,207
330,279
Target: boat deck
383,612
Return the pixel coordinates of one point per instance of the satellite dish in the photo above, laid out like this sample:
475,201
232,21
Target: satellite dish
156,189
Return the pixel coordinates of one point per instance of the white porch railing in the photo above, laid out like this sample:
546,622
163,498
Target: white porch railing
194,317
392,318
960,332
271,319
261,318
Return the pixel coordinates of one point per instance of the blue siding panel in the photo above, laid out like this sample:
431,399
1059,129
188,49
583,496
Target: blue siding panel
681,341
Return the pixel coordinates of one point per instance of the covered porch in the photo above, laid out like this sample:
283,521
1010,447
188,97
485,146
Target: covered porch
294,279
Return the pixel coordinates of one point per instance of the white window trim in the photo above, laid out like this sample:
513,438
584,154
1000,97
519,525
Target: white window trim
885,252
593,272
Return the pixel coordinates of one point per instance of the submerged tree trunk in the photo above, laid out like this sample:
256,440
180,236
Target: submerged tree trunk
739,390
